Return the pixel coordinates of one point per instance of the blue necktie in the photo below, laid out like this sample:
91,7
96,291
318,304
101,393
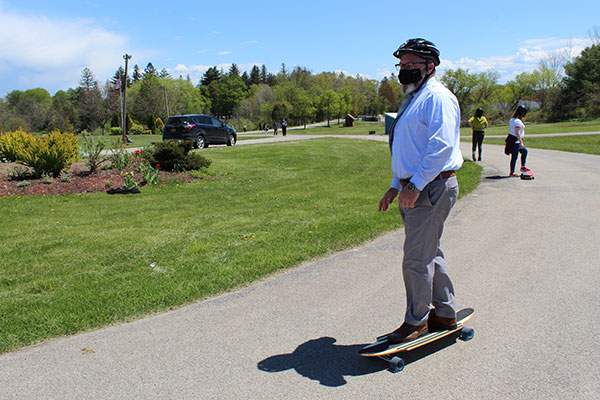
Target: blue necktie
401,110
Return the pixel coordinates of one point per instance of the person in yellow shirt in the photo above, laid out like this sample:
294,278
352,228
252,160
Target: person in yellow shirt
478,122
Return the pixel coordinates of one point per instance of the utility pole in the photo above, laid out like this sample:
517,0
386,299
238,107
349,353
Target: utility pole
166,102
127,57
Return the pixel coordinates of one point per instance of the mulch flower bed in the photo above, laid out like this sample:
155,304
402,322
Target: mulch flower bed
80,181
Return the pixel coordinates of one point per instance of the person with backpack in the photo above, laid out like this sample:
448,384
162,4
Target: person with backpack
478,122
514,141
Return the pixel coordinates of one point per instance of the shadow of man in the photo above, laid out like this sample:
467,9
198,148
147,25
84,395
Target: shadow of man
323,361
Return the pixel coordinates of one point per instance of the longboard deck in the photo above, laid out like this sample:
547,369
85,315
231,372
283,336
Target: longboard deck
527,175
383,348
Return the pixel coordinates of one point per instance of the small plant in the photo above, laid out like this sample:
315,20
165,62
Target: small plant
120,157
129,180
23,184
175,156
46,178
108,184
18,173
65,176
150,174
92,150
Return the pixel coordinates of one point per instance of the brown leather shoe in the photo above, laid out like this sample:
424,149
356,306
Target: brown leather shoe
436,324
406,333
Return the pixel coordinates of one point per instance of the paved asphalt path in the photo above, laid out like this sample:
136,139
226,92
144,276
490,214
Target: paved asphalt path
523,254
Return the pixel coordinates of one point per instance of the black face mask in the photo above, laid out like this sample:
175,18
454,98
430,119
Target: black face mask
407,76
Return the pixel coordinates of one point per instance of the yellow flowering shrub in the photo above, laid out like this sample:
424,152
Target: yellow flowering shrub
46,155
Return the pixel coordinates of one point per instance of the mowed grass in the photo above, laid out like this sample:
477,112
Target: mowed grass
588,144
138,140
73,263
541,128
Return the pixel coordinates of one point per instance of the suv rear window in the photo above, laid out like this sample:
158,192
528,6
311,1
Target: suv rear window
176,121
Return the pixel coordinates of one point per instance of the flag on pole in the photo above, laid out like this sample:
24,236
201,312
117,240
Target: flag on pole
118,84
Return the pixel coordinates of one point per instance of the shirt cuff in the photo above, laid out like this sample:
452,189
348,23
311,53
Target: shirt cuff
419,182
396,183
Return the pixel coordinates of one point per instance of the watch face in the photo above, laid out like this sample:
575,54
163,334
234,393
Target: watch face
411,186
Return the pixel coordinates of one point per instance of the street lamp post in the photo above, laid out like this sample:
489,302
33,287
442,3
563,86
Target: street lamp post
126,57
166,101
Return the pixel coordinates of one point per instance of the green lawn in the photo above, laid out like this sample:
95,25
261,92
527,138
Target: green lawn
138,140
536,129
589,144
363,128
77,262
359,128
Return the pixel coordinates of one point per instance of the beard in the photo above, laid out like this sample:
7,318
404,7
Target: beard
411,87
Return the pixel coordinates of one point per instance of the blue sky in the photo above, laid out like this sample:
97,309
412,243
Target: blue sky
48,43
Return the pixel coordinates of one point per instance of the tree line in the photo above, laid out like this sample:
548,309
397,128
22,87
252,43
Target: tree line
560,88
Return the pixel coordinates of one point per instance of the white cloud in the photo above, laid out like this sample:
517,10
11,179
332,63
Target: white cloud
526,58
40,52
223,53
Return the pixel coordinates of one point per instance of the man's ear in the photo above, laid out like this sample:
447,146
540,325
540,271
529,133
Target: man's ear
430,70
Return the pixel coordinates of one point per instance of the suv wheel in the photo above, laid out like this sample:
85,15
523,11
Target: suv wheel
230,140
200,143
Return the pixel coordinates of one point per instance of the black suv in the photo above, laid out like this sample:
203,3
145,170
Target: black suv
201,129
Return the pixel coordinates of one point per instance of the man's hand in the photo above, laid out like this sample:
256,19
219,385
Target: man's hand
387,199
407,199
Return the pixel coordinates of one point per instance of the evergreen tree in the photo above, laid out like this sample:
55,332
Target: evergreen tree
212,74
89,101
234,70
150,70
254,75
263,74
163,74
137,74
88,80
246,78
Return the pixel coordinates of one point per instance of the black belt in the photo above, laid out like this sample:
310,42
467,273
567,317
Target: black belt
442,175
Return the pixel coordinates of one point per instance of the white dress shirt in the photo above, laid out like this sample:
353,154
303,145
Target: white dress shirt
426,138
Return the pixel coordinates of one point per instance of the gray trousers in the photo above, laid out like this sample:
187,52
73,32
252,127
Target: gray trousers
425,276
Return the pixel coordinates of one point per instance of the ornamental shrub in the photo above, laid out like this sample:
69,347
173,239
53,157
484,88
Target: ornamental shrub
159,124
15,144
176,156
53,153
115,130
136,129
46,155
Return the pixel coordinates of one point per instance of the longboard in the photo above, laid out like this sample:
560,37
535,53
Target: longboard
527,175
385,350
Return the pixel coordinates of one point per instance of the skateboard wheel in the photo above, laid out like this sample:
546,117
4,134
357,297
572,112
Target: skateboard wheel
466,334
396,364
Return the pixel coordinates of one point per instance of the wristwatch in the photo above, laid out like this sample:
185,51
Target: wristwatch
411,187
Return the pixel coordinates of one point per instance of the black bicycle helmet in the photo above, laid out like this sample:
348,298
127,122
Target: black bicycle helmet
420,47
479,112
521,111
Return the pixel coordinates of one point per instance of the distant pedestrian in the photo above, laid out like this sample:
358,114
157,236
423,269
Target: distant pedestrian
244,128
266,129
275,128
514,140
283,127
478,122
